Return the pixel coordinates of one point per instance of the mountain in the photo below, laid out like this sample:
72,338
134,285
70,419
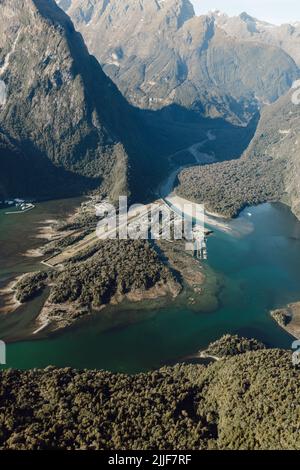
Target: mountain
160,54
64,126
277,137
269,170
244,26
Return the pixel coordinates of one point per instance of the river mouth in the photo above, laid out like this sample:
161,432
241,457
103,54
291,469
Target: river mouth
260,269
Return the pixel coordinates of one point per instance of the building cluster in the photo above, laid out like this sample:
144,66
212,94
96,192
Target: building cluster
18,204
157,221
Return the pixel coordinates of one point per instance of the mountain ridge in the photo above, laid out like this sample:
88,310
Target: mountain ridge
156,60
286,36
68,125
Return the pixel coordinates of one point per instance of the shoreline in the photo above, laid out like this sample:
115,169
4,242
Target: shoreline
46,232
167,191
21,211
200,357
11,304
235,227
288,318
59,317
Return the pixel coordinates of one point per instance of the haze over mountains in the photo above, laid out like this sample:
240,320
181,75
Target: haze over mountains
159,53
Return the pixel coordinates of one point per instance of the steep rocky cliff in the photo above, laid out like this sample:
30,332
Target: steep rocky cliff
244,26
246,402
159,53
64,126
277,137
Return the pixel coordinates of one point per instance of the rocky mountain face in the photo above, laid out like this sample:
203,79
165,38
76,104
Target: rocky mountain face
64,126
244,26
160,54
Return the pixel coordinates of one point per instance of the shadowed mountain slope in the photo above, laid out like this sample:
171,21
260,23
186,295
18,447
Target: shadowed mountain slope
64,126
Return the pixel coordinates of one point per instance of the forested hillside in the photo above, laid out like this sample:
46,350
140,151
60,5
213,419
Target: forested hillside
249,401
269,170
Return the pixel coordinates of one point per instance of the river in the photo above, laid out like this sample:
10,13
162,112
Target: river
260,271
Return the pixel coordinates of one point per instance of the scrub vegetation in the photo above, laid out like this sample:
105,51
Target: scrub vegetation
233,345
31,285
117,267
228,187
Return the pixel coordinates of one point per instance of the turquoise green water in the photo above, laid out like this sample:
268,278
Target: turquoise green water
261,271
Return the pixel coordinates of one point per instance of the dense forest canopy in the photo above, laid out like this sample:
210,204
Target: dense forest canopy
248,401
